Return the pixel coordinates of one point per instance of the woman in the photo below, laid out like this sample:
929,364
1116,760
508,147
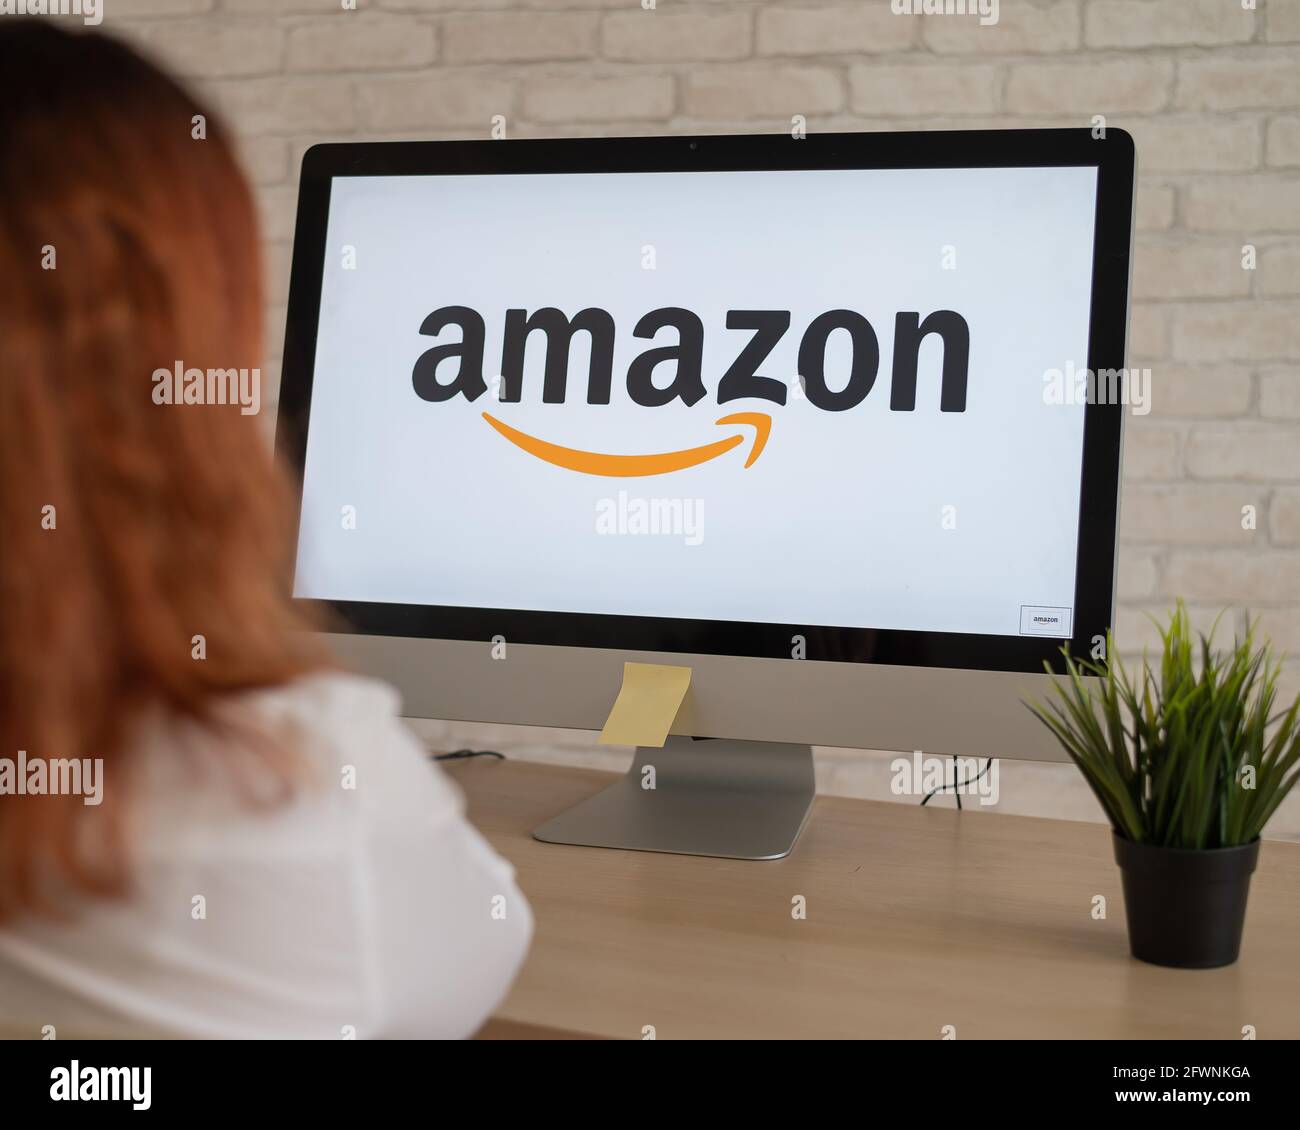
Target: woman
265,851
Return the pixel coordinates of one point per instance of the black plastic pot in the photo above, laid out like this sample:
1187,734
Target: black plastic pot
1185,908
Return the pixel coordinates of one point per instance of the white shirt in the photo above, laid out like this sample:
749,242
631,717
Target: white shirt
363,905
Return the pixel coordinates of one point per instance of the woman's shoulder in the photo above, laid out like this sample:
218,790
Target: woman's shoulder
326,748
359,895
335,706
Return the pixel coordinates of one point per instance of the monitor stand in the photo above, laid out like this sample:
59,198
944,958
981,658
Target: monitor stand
714,796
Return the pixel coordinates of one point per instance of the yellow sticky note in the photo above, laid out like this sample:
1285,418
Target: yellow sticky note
645,708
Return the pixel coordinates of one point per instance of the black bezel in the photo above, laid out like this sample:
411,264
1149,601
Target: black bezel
1113,156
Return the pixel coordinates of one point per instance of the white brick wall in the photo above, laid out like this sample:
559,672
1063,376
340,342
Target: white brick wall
1211,91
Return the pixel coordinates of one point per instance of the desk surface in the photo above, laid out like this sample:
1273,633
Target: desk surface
917,918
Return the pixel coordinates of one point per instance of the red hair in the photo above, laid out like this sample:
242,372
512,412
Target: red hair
128,243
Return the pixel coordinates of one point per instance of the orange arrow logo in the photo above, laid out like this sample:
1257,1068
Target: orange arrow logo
628,466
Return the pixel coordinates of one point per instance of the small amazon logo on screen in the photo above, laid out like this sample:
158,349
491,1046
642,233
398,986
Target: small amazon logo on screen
741,381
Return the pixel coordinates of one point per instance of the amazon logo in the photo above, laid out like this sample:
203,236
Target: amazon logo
679,369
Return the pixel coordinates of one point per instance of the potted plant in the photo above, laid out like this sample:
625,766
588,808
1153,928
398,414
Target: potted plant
1188,762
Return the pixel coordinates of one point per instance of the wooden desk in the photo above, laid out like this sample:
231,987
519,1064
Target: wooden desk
917,918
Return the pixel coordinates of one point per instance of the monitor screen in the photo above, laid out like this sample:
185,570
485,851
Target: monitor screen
821,397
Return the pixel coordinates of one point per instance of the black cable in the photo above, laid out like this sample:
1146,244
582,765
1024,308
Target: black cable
956,783
465,754
462,754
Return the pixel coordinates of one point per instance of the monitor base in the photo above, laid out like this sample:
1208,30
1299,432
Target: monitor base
719,797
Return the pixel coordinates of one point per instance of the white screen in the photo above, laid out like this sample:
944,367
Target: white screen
924,520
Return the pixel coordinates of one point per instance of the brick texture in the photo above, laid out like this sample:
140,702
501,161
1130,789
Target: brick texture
1210,91
1167,23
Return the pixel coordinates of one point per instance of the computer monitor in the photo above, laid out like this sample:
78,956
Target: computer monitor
808,415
